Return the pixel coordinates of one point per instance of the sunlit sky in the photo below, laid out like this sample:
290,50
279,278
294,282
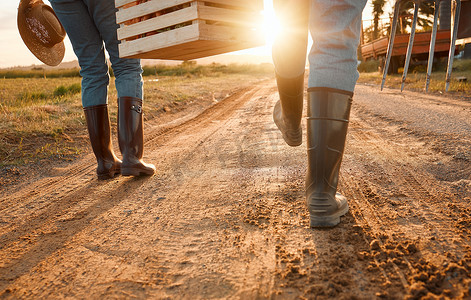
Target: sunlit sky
13,52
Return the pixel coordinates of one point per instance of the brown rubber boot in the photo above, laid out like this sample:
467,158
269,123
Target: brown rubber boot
131,137
288,111
327,124
99,130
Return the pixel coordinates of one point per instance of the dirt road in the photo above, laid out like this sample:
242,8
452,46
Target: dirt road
224,217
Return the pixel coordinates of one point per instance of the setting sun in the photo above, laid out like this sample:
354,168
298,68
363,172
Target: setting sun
270,27
271,24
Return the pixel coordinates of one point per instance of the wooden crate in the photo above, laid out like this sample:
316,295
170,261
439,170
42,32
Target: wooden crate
184,30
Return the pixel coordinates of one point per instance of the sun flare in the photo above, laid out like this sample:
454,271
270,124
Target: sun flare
271,24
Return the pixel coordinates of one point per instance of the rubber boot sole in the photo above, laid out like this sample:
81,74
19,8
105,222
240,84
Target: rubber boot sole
292,137
331,220
109,175
136,172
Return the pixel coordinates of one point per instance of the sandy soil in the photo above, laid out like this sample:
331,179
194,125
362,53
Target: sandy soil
225,217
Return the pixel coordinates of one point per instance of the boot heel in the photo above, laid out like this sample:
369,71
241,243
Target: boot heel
319,212
130,172
288,111
113,172
106,176
136,172
294,138
330,221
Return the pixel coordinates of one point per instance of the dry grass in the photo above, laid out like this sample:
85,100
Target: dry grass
34,121
416,80
43,118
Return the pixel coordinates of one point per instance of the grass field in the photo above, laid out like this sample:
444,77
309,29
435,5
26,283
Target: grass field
42,114
42,117
416,78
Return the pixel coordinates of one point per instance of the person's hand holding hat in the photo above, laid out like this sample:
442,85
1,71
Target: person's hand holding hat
41,31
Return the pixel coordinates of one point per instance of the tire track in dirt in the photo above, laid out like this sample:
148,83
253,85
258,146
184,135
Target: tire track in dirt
72,208
200,227
224,217
405,205
86,165
269,180
36,197
400,168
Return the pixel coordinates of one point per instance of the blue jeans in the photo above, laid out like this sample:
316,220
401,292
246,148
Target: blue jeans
335,29
91,26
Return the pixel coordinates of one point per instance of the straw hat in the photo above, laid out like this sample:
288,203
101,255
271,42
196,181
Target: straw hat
41,31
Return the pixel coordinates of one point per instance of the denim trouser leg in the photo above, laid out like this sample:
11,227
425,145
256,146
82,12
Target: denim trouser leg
127,72
335,29
89,24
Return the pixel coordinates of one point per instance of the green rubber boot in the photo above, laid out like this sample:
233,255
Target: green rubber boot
287,113
327,124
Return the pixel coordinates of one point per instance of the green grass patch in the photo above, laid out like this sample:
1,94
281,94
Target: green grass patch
191,68
39,73
183,69
34,115
369,66
67,90
42,118
462,65
416,79
31,97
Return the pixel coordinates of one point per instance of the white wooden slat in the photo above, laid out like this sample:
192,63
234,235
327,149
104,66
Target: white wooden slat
206,41
248,4
201,49
146,8
120,3
192,41
152,6
171,19
165,39
243,18
230,34
246,19
192,50
189,49
214,50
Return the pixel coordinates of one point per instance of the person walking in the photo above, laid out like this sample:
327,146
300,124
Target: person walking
335,31
91,26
